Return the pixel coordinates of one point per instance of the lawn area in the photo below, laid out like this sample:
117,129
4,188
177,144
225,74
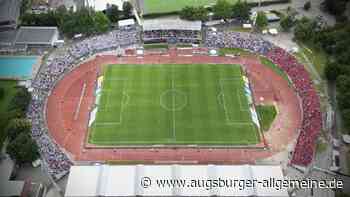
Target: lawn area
173,104
321,146
155,46
233,51
167,6
317,57
275,68
10,90
266,113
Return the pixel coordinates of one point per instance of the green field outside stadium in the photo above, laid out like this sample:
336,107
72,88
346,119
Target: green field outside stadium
166,6
173,105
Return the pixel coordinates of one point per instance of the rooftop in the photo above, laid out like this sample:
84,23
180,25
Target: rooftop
35,35
126,180
171,24
9,10
9,188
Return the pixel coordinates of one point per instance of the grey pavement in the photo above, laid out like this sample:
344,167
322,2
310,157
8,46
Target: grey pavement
298,5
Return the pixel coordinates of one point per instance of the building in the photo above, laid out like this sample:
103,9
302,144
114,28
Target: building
7,186
33,36
141,180
9,13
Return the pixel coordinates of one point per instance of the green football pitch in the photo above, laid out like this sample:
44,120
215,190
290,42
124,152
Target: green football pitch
173,105
166,6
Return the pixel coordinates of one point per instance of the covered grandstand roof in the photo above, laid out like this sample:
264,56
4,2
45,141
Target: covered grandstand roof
37,35
171,24
125,180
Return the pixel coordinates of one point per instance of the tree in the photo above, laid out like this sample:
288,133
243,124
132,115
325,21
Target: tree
241,10
305,29
201,14
81,21
194,13
346,117
287,23
17,126
127,8
23,149
25,5
335,7
61,14
222,9
113,13
20,101
101,22
187,13
307,5
2,93
261,20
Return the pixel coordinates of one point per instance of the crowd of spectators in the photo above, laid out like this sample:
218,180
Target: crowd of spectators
54,159
312,117
247,41
181,36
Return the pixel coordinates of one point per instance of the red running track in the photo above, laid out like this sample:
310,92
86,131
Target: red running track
71,134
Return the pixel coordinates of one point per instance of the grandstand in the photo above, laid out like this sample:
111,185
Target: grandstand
171,30
136,180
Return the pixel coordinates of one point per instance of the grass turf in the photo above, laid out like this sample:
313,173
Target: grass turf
155,46
275,68
266,113
233,51
173,104
167,6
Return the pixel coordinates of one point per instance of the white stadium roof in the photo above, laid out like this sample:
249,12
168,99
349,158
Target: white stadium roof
171,24
125,180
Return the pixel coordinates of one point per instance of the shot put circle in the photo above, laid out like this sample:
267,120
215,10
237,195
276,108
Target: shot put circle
173,100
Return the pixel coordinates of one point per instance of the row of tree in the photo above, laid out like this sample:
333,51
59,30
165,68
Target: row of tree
337,8
84,20
21,147
335,41
221,10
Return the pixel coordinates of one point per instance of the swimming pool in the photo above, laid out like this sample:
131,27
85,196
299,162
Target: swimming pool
17,67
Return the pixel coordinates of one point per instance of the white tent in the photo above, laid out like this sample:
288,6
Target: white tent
126,22
273,31
140,180
247,26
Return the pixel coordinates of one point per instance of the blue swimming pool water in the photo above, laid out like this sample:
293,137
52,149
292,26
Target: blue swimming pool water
17,67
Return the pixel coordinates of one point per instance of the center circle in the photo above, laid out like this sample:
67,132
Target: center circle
173,100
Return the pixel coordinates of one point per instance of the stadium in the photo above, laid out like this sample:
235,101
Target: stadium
113,99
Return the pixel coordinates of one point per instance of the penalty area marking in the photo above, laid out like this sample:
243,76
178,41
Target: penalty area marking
223,103
124,102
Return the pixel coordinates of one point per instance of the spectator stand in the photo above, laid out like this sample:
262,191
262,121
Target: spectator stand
172,31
